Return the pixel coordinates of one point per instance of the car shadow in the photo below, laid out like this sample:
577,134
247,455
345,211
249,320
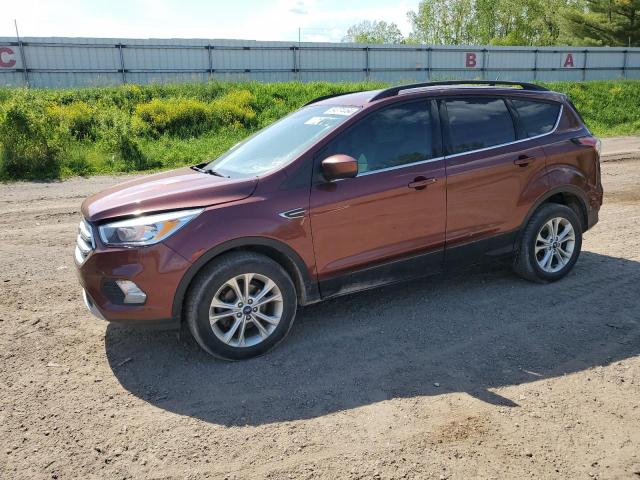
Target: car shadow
468,332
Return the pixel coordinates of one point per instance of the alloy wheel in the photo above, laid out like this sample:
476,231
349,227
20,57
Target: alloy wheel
246,309
554,244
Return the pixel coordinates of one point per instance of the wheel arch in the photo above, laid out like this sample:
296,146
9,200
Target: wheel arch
306,287
568,195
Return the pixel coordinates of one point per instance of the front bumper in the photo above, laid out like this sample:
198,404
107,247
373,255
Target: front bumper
156,269
88,302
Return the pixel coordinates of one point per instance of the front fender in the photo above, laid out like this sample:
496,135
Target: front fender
255,223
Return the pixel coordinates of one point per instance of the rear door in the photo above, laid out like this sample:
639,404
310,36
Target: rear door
493,175
387,223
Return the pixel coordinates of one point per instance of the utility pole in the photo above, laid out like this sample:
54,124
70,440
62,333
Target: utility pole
25,74
299,53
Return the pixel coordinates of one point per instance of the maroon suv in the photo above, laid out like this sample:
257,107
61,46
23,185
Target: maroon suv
348,193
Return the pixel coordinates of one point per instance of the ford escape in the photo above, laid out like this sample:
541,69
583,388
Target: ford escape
350,192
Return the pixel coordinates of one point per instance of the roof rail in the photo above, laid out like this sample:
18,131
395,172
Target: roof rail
324,97
390,92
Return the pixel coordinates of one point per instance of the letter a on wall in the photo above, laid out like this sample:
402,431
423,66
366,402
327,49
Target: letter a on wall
568,61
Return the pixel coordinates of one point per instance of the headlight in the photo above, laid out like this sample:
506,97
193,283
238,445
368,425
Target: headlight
147,229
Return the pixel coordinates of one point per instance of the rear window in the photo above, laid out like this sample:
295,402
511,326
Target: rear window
536,118
476,123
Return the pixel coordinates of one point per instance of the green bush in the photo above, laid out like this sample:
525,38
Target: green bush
132,156
184,117
78,161
117,138
31,145
77,118
187,117
233,110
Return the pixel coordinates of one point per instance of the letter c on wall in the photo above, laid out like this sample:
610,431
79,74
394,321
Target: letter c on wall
7,59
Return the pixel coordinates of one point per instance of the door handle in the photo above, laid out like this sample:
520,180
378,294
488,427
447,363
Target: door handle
420,183
523,160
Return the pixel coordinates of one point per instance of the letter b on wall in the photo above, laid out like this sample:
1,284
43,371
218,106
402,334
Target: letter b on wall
470,60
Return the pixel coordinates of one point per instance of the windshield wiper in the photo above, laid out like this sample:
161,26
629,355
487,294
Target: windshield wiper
213,172
209,171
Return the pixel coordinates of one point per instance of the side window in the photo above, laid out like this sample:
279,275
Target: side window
390,137
476,123
536,118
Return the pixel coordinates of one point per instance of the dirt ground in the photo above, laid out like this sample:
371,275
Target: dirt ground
476,375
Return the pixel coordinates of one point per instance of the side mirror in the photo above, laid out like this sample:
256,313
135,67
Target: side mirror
339,166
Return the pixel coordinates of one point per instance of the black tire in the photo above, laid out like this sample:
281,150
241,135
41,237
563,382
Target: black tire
213,277
525,263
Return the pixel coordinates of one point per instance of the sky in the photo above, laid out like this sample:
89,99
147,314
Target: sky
319,20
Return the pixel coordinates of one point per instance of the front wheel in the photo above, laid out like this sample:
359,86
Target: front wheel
241,306
550,244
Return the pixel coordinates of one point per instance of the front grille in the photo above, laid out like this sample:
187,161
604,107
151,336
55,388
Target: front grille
84,241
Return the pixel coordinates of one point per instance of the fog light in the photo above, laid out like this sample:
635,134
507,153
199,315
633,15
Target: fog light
132,293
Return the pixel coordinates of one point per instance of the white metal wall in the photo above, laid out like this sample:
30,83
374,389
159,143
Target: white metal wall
67,62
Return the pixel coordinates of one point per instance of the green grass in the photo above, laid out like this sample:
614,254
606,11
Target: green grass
57,133
609,108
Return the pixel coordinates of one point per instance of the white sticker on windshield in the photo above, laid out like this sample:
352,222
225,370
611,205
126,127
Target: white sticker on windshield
345,111
319,121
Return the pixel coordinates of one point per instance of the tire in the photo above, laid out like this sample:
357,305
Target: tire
538,242
255,331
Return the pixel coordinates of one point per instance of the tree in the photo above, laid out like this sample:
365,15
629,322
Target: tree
606,23
444,22
374,32
489,22
522,22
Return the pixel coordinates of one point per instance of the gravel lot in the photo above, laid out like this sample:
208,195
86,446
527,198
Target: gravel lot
476,375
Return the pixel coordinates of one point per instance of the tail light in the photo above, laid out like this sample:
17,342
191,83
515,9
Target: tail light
589,141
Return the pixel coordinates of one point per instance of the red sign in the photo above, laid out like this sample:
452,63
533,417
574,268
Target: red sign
470,61
568,61
7,57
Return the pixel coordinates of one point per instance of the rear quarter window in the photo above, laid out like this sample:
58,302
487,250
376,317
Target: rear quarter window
536,118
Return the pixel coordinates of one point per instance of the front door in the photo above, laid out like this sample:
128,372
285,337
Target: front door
388,223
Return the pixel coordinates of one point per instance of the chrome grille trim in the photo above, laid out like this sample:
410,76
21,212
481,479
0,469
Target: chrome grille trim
84,241
83,245
84,229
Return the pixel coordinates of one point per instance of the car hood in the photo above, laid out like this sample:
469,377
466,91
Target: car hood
172,190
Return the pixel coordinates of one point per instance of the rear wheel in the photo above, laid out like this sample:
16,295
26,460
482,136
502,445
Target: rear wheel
550,244
241,305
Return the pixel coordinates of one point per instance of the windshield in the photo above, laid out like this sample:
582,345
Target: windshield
281,142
